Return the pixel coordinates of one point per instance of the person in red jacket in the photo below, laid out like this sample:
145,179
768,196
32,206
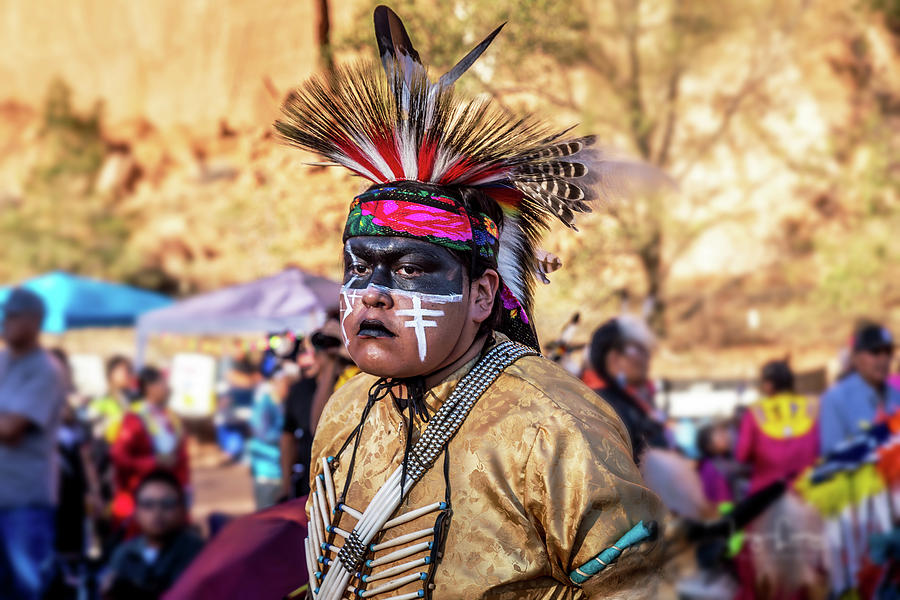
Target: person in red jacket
151,437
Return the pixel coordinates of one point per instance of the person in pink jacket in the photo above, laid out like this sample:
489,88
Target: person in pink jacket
778,437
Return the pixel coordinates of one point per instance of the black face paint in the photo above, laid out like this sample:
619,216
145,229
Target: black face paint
401,264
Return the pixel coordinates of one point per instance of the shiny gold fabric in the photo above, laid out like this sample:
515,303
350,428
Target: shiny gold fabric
541,481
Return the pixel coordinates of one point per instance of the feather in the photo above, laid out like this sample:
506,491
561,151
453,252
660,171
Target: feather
404,127
394,45
547,263
450,77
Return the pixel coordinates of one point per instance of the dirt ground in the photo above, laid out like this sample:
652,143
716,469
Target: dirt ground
218,487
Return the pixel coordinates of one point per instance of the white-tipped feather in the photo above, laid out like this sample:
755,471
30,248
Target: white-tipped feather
406,144
368,123
512,244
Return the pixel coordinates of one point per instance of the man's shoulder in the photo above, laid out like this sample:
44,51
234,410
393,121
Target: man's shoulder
554,396
850,384
540,376
44,360
893,395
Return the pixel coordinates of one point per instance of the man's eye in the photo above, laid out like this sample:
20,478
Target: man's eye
358,269
409,270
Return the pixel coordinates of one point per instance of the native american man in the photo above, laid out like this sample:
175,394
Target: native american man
460,463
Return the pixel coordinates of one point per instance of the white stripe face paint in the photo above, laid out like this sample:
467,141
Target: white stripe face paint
418,318
349,296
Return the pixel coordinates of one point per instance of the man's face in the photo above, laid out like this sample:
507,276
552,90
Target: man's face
159,511
636,364
158,393
120,378
308,361
20,330
874,365
404,306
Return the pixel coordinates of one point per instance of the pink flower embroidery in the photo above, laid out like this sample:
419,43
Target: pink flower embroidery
418,219
512,304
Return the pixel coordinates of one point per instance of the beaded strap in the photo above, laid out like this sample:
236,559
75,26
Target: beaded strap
450,416
353,552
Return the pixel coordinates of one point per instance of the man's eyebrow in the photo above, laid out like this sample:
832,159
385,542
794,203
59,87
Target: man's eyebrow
392,254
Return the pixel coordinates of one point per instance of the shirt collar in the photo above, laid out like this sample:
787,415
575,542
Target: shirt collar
437,395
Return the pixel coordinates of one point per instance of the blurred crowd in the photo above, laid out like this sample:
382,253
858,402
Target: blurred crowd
96,495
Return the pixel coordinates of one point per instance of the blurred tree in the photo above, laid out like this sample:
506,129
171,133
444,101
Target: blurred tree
323,34
60,223
622,67
891,11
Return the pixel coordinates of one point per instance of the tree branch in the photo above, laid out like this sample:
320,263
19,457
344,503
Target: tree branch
665,145
730,110
637,116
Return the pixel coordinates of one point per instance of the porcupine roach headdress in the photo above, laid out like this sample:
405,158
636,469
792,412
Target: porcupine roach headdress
404,127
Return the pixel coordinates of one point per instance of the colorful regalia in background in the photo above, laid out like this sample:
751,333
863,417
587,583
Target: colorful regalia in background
856,490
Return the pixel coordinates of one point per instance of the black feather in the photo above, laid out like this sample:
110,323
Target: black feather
469,59
394,45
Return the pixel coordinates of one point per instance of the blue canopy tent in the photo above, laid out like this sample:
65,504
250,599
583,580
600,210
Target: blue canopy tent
76,302
291,300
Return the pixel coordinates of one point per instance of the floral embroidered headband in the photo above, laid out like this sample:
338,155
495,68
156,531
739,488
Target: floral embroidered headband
442,220
422,215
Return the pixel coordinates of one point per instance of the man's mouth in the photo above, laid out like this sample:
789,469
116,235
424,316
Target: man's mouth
373,328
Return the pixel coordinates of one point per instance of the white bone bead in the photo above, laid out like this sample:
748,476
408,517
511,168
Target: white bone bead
320,499
314,525
310,565
399,540
340,532
394,556
393,585
414,514
329,484
396,570
352,512
408,596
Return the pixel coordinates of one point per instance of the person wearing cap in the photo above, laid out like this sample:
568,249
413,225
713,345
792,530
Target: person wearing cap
32,394
862,397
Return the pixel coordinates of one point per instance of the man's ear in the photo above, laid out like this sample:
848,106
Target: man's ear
482,293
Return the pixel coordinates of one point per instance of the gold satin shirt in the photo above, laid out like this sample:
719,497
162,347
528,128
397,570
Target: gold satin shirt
541,481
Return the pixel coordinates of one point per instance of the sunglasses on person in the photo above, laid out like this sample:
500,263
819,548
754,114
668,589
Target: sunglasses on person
160,503
881,351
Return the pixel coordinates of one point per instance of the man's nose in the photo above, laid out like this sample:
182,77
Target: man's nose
377,296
